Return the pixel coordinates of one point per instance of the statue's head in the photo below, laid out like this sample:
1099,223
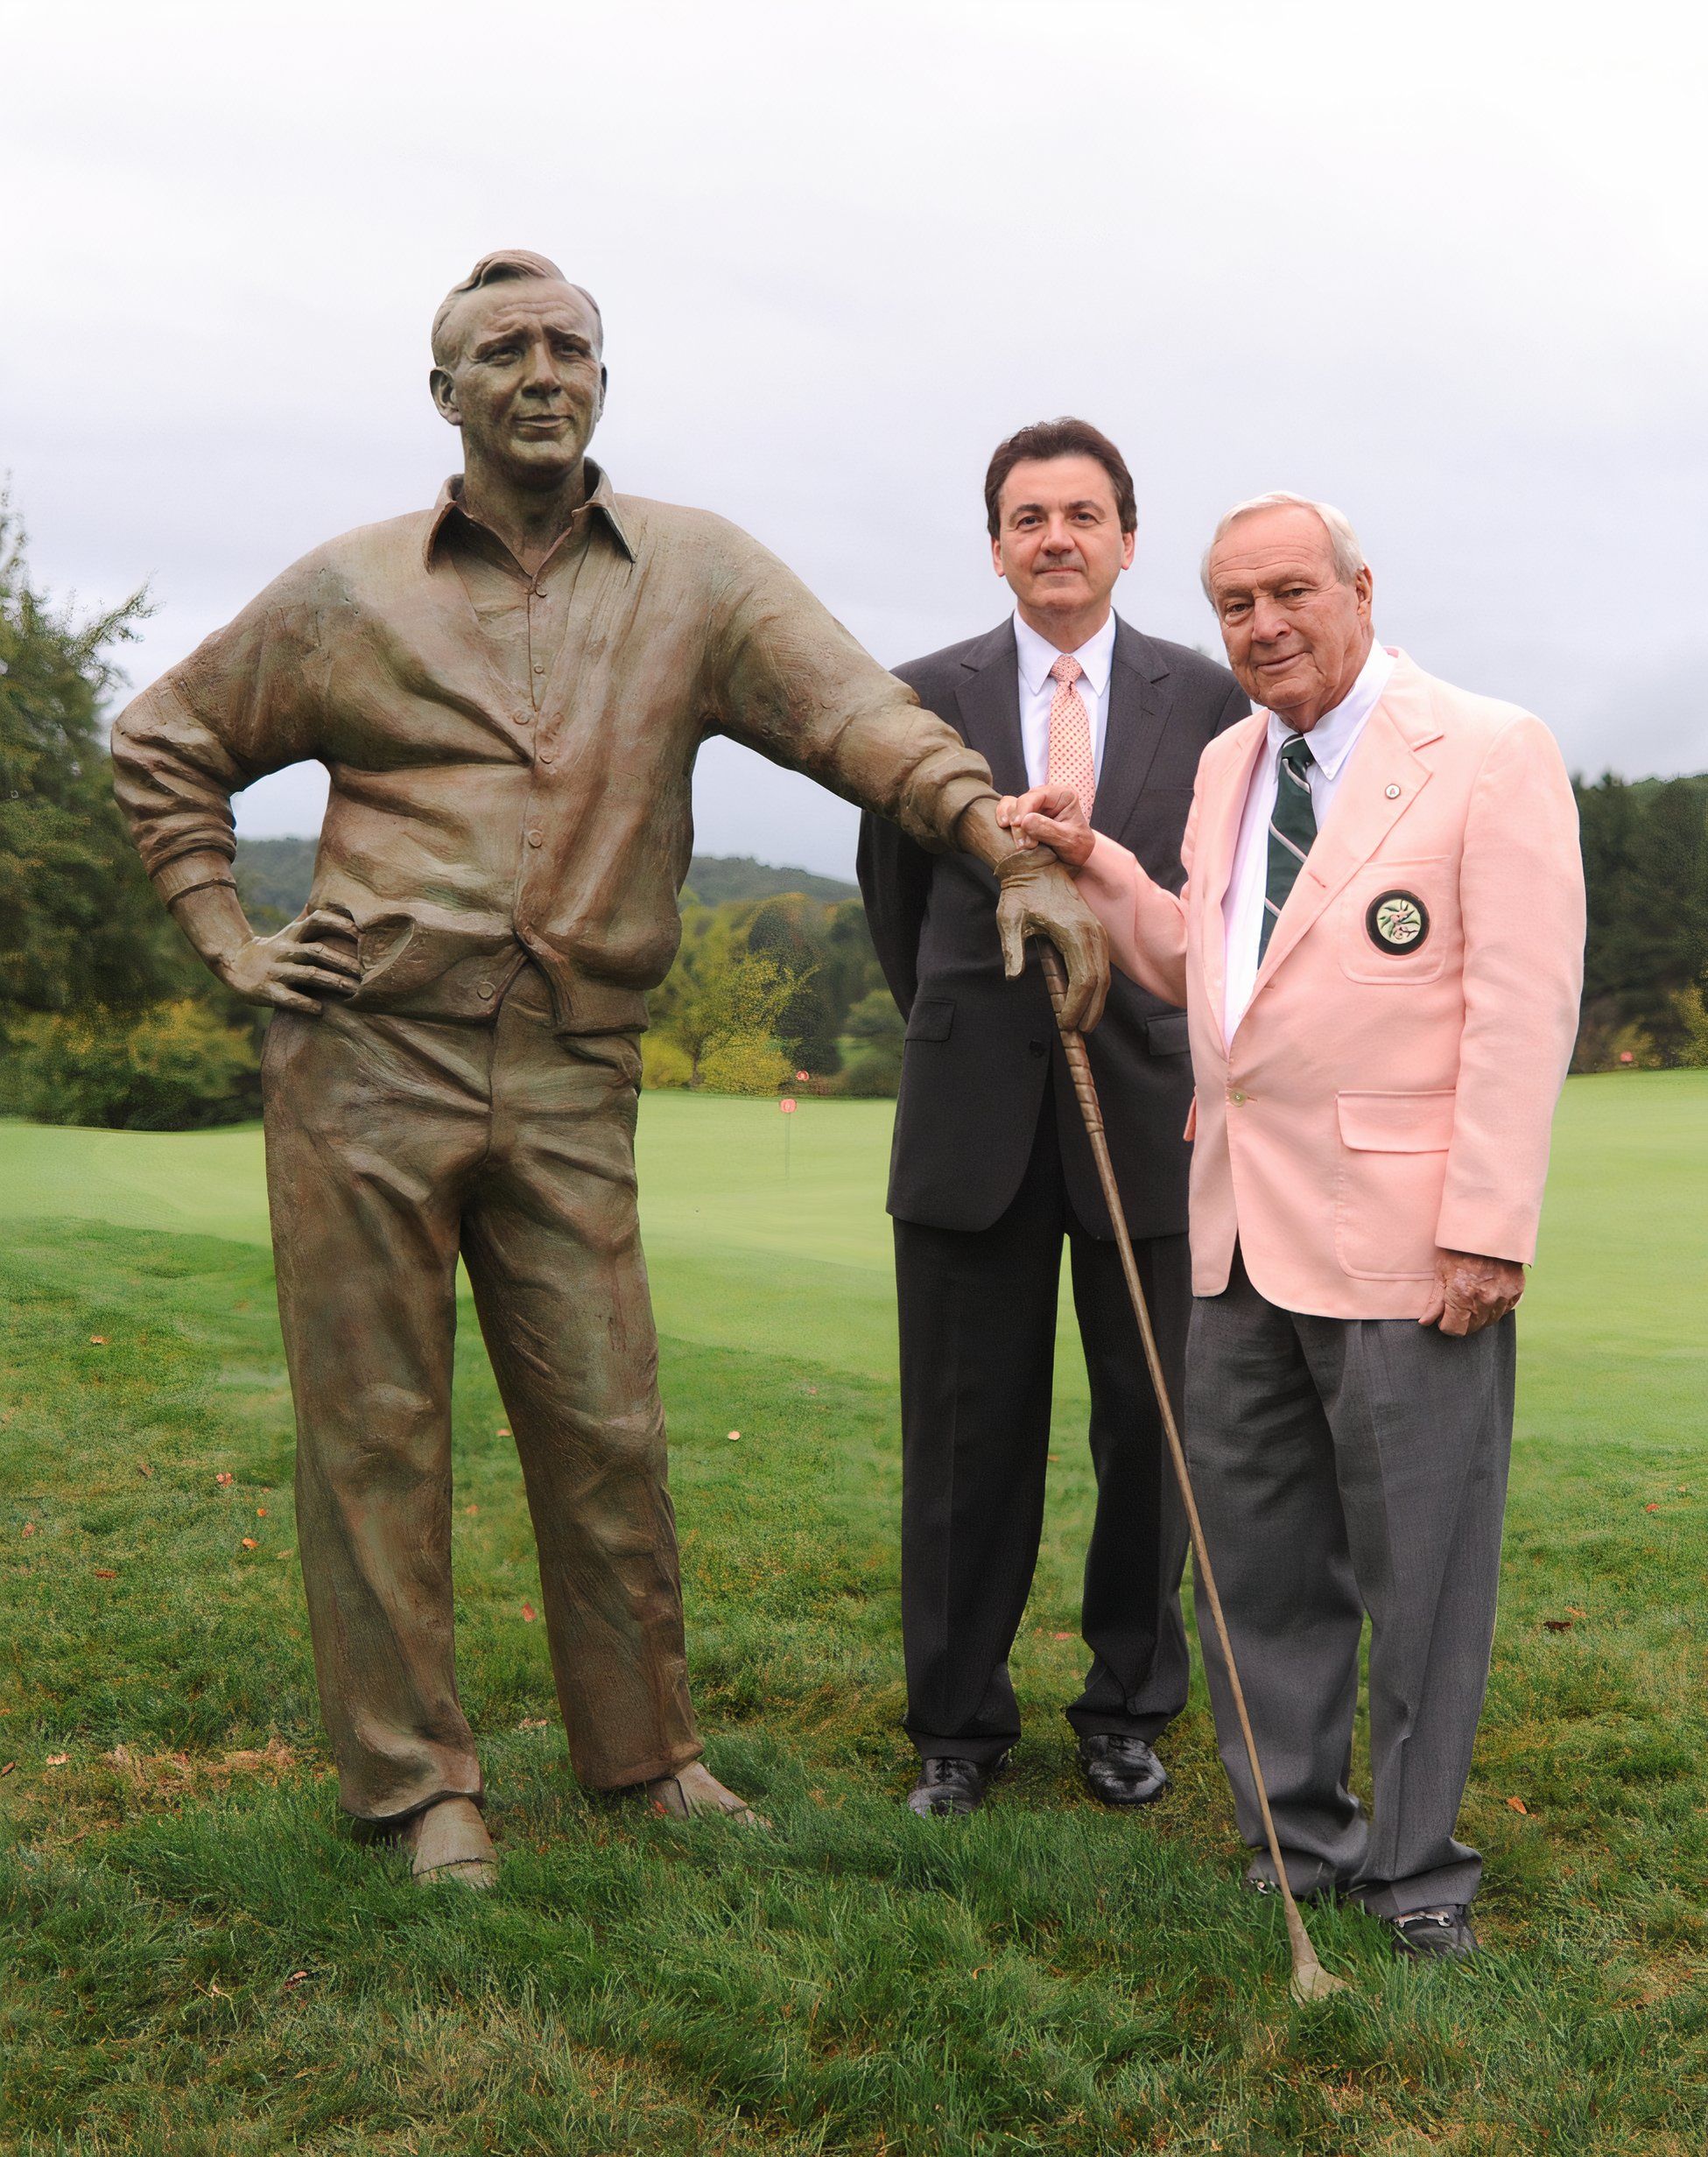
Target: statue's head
517,366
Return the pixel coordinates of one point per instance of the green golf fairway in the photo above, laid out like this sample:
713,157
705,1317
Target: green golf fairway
197,1960
742,1254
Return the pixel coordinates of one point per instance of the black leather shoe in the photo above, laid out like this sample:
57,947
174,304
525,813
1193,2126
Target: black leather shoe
1442,1933
1121,1771
950,1786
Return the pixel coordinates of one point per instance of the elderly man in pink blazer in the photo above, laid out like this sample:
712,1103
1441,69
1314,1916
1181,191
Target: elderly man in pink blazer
1379,949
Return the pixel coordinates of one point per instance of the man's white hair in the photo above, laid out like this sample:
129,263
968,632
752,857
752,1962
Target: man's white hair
1347,554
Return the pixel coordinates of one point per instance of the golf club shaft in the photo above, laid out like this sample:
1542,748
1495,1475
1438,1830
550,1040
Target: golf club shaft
1084,1087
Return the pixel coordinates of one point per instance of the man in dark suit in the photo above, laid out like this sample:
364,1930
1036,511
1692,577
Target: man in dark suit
991,1169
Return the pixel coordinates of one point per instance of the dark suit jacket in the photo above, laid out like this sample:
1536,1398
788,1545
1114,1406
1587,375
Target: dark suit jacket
977,1045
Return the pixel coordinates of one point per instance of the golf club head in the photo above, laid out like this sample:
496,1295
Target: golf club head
1311,1982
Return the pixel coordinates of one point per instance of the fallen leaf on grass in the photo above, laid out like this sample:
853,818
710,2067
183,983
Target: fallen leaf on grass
1651,1508
734,1436
260,1512
57,1759
8,1768
1061,1636
28,1527
295,1977
504,1431
1559,1624
1517,1804
250,1543
144,1468
529,1613
471,1508
531,1722
106,1573
1572,1611
223,1479
97,1340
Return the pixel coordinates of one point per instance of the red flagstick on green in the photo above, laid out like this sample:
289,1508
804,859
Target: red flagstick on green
787,1105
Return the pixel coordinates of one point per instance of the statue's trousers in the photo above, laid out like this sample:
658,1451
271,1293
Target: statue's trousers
394,1144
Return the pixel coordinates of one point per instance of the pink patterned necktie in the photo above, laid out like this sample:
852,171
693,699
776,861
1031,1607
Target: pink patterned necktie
1070,734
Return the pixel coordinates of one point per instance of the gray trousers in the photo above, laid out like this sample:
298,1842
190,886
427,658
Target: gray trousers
1348,1468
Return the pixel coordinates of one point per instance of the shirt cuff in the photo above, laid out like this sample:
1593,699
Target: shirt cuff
191,872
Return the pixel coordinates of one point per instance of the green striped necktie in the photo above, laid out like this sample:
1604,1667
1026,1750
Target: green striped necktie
1292,828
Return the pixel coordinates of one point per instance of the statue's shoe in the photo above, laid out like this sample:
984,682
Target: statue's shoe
448,1842
695,1790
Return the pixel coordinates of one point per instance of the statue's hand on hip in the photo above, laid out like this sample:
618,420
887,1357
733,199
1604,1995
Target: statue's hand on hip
298,967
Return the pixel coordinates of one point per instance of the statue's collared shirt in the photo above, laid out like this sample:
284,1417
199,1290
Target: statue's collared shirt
511,756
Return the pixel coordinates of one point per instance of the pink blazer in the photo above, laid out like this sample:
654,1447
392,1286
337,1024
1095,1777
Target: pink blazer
1392,1083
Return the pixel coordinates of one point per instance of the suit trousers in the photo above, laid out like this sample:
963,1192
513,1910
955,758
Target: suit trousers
1345,1468
978,1336
393,1145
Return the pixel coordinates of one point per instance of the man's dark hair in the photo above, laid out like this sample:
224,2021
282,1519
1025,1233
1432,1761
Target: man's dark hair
1061,438
502,267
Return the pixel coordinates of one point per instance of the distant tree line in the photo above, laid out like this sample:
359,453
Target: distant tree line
107,1018
1646,965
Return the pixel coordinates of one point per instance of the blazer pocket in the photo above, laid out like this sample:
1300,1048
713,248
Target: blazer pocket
1396,1124
933,1019
1399,922
1392,1167
1168,1036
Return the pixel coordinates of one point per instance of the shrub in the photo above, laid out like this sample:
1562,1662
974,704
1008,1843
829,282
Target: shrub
170,1067
874,1065
1691,1010
665,1062
744,1063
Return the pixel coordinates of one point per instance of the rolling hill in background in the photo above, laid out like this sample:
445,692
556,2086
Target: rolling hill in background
275,874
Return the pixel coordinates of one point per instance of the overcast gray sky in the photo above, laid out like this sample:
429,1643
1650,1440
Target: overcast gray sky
1442,265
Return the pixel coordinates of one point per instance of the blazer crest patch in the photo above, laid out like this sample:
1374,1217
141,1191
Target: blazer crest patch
1398,921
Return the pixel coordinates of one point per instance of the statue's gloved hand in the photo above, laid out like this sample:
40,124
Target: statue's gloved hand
306,960
1037,898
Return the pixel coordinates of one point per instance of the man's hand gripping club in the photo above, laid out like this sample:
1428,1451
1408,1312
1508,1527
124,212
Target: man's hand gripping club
1037,898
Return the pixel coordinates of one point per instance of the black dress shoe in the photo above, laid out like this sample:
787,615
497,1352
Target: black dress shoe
1442,1933
1121,1771
948,1786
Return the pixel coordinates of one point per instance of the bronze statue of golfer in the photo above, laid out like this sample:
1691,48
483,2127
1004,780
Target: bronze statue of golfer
508,691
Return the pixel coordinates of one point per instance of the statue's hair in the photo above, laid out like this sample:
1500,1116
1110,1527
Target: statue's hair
501,267
1347,555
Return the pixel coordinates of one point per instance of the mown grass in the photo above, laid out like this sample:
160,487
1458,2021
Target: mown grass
198,1959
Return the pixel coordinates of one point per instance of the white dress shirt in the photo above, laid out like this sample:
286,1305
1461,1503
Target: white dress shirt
1038,690
1332,740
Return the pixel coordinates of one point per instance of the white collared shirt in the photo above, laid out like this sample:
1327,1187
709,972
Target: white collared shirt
1332,740
1037,655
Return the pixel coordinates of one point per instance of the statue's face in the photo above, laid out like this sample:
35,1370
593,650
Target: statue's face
527,383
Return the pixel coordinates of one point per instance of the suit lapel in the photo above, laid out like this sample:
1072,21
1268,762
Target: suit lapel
1138,716
989,701
1385,776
